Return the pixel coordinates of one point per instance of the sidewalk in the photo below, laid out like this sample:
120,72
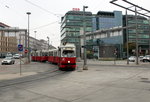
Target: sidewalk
14,71
116,62
15,75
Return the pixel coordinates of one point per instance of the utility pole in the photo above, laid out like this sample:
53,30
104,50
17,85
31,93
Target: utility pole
137,45
84,31
127,37
28,13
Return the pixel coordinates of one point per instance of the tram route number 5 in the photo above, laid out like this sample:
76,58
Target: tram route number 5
20,47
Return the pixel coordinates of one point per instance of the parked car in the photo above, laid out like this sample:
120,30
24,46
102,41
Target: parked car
141,58
9,54
8,60
146,58
16,56
132,58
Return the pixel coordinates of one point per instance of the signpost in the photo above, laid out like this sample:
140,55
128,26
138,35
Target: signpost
20,48
25,51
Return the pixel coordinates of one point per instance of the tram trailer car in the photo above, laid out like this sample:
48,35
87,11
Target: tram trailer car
43,56
33,55
37,56
53,56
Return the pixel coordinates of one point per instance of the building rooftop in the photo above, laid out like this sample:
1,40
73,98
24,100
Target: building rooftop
78,13
3,25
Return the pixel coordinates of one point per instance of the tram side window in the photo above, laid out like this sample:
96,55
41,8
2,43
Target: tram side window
41,54
68,53
38,53
51,53
55,53
46,54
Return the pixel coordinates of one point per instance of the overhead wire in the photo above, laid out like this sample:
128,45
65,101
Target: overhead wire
42,8
44,25
57,15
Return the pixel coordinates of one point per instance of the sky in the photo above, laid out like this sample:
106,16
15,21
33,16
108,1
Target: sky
46,15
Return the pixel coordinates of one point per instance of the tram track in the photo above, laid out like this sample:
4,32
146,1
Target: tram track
31,78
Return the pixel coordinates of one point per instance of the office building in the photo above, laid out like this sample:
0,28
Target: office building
72,26
106,36
106,20
142,34
11,37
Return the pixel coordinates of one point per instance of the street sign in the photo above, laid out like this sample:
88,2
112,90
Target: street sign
25,51
20,47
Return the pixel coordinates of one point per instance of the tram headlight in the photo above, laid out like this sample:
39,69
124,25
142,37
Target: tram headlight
68,61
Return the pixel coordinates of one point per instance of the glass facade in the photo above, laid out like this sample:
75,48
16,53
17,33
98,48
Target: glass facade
71,25
103,21
72,22
143,32
106,20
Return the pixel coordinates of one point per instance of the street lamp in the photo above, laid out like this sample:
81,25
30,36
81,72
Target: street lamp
84,38
35,41
35,34
48,42
28,13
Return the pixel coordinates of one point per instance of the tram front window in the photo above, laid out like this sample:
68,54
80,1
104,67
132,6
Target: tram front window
68,53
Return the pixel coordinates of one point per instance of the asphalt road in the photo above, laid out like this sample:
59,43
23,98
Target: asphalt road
100,83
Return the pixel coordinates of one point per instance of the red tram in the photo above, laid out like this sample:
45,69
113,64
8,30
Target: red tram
40,56
64,56
44,56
